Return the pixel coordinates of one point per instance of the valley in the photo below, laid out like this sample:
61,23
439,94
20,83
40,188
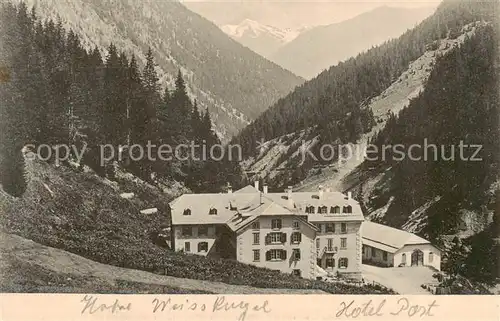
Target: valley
140,72
232,81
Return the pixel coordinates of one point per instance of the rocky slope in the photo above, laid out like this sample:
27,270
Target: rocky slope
280,160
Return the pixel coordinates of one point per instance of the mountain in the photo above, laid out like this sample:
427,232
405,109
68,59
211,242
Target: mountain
263,39
232,81
436,84
321,47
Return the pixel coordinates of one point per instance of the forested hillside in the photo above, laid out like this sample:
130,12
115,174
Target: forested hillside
57,92
333,102
443,189
441,79
235,83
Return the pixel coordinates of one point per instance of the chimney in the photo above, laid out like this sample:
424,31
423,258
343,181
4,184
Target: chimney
256,184
289,196
265,188
349,195
320,191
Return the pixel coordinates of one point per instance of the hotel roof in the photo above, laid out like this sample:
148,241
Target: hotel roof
235,209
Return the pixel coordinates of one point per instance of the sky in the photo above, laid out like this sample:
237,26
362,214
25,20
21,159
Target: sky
292,14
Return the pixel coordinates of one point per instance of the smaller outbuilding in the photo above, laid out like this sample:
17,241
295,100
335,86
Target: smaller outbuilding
387,246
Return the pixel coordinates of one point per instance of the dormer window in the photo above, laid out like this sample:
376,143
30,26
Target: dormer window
310,209
323,210
335,209
212,211
187,211
347,209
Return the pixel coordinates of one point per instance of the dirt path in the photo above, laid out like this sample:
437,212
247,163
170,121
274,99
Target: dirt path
52,259
402,280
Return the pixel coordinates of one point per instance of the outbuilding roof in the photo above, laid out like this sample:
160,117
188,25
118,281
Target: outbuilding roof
388,238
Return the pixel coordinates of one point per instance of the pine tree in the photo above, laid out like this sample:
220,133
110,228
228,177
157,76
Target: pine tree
196,123
181,109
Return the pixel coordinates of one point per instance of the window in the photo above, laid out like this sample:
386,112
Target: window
343,262
296,237
256,238
335,209
330,262
384,256
187,231
187,211
296,273
330,227
330,244
203,247
310,209
277,237
275,255
296,225
343,242
318,262
256,255
323,210
431,257
403,258
343,228
296,254
276,223
317,243
318,226
347,209
187,247
202,230
374,252
212,211
255,225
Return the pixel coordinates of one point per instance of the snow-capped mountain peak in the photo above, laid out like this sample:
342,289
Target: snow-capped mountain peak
262,38
254,29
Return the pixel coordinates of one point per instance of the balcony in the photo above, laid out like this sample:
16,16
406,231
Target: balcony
327,250
331,249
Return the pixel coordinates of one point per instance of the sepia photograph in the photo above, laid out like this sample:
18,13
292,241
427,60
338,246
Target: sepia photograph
206,147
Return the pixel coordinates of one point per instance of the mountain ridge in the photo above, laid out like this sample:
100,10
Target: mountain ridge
356,35
214,64
262,38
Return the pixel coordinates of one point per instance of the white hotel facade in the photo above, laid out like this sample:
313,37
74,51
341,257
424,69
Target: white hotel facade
294,232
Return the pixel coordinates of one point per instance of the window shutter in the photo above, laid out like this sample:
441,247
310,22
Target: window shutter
279,223
300,237
297,254
283,254
283,237
268,256
268,238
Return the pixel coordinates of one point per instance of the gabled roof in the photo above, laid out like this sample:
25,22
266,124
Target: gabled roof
249,202
388,238
247,189
200,204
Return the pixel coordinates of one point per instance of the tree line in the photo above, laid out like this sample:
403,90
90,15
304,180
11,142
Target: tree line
58,92
460,105
334,103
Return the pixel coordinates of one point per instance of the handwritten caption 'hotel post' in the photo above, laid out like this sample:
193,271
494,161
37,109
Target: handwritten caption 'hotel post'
350,309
